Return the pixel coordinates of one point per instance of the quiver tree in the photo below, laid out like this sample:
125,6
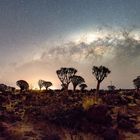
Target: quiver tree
47,84
11,89
23,85
83,86
64,75
76,80
100,73
111,87
40,84
63,87
3,87
137,83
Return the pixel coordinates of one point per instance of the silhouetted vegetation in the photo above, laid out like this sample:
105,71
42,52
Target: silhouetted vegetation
76,80
45,84
3,87
73,114
100,73
111,87
64,75
23,85
83,86
137,83
40,84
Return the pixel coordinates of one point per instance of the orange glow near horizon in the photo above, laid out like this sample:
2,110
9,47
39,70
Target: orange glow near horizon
34,86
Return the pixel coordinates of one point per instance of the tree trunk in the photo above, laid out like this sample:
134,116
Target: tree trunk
97,91
82,89
137,89
74,87
136,94
65,87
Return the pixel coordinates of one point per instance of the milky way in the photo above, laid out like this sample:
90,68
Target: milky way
39,37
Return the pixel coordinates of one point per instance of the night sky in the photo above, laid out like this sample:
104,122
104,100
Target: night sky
37,37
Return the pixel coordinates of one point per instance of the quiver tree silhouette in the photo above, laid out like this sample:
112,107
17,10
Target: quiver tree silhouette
11,89
40,84
100,73
76,80
63,87
137,83
111,87
64,75
3,87
82,86
47,84
23,85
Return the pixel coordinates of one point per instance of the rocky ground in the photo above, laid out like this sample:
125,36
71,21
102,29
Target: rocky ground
25,130
32,127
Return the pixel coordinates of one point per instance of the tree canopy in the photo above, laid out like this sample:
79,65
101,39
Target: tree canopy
64,75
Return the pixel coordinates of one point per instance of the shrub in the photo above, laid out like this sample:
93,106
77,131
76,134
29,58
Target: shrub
88,102
99,114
